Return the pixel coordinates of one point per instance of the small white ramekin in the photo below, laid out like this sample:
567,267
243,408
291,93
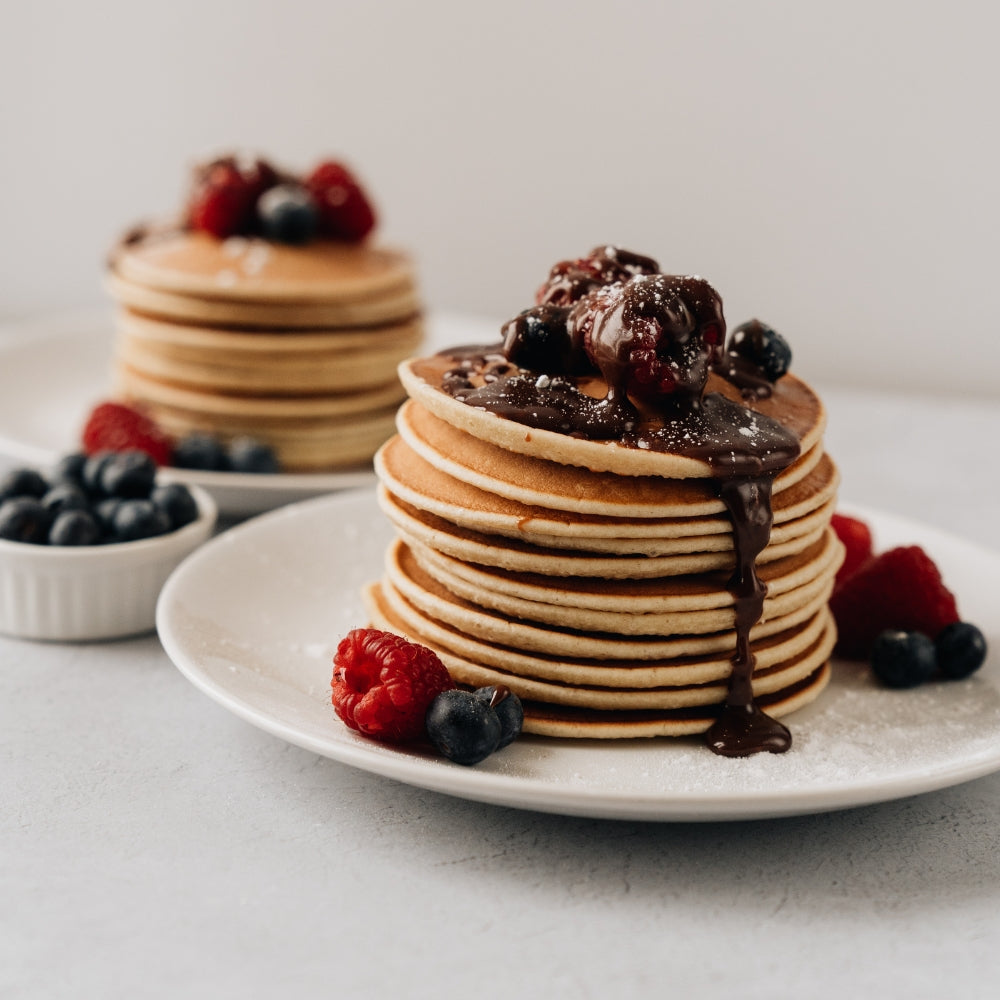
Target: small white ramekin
78,593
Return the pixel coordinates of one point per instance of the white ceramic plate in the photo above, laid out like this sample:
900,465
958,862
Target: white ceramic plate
254,616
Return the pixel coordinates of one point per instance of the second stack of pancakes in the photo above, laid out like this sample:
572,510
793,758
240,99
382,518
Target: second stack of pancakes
294,345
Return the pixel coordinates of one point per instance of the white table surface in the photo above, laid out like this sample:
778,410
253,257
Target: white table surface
154,845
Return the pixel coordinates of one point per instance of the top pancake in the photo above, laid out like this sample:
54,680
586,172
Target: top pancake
792,403
247,269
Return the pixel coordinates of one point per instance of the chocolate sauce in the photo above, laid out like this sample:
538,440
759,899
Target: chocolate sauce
652,340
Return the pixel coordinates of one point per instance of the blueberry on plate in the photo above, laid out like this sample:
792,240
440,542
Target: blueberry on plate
903,659
508,708
74,527
22,483
288,213
247,454
763,347
24,519
201,451
136,519
961,650
462,727
176,501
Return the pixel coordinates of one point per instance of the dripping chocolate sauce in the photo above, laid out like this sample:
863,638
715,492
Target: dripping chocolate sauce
596,313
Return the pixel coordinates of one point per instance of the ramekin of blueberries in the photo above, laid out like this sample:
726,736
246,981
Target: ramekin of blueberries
86,546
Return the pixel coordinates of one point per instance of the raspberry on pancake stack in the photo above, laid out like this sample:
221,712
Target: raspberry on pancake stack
267,311
617,513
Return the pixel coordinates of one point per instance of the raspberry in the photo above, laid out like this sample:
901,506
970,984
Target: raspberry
117,427
222,199
857,539
901,590
383,685
345,212
652,336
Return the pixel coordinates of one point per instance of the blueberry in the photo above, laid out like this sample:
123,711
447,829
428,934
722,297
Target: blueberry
104,510
961,650
135,519
288,213
247,454
22,483
128,474
539,340
69,469
463,727
766,348
93,467
176,501
24,519
201,451
903,659
509,711
65,496
75,527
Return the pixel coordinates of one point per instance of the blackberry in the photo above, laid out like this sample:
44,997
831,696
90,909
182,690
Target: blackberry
509,711
903,659
763,347
128,474
176,501
201,451
961,650
24,519
22,483
74,527
247,454
288,213
463,727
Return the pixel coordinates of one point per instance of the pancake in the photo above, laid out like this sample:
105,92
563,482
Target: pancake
240,269
799,408
274,363
418,483
549,484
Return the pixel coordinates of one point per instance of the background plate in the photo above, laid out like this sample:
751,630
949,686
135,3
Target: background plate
254,616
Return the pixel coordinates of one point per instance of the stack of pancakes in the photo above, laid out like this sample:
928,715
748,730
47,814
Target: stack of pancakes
294,345
592,578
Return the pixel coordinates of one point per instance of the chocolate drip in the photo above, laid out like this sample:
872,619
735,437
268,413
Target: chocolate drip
742,728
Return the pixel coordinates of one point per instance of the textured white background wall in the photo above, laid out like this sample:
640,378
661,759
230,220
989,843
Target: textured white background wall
832,168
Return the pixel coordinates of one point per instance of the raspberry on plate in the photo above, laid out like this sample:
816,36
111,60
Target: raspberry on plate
856,537
900,589
383,684
117,427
